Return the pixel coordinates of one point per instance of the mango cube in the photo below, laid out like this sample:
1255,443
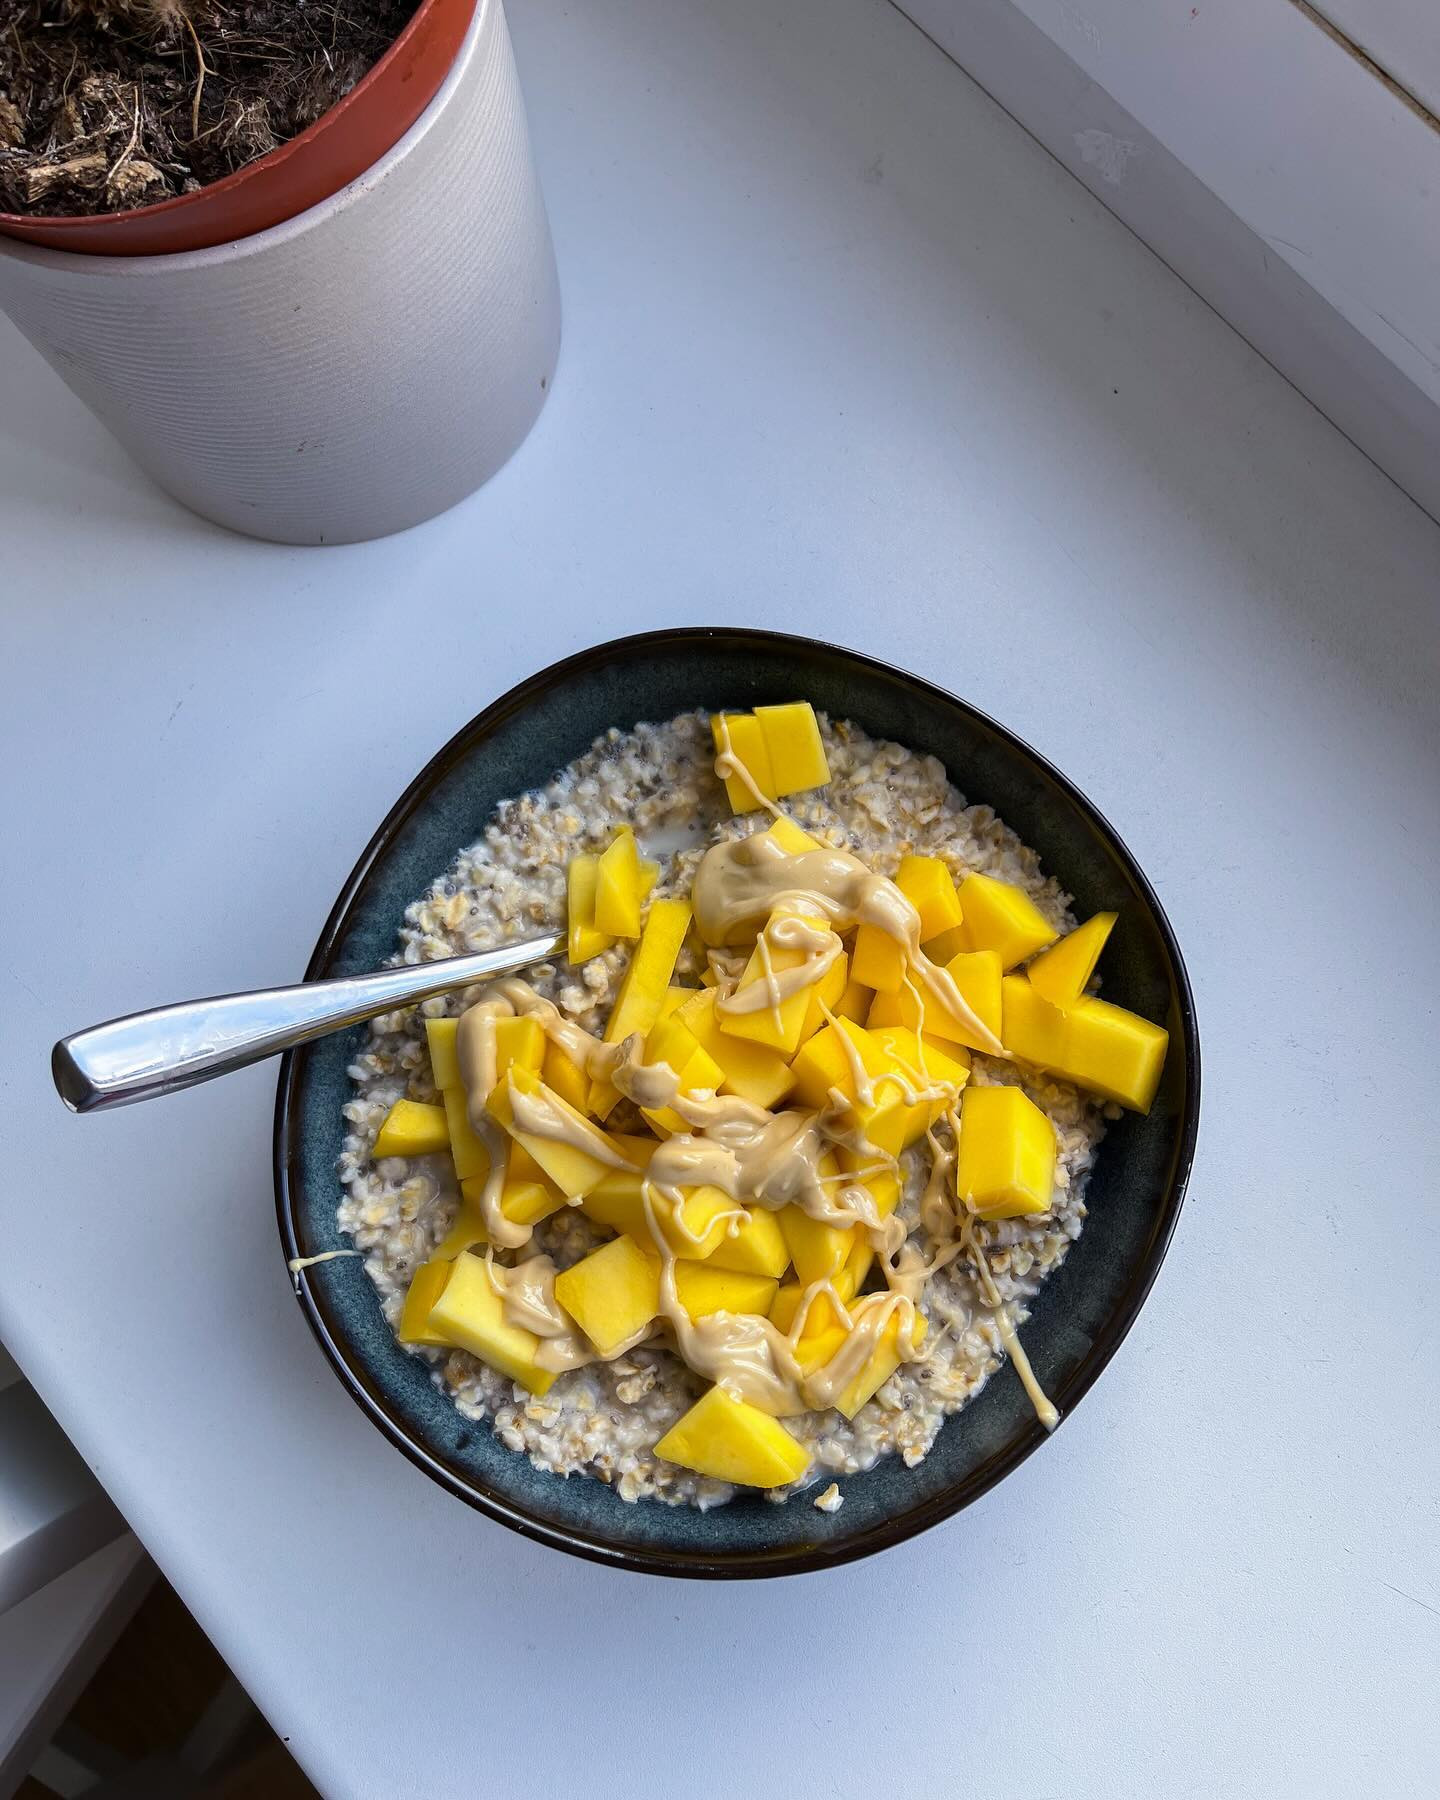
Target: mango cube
466,1144
825,1062
440,1040
1105,1048
881,1364
818,1251
790,837
746,1069
1005,1163
755,1247
930,888
1000,916
855,1002
426,1285
584,939
612,1293
466,1230
747,745
976,974
1114,1052
821,1316
519,1043
411,1128
573,1170
565,1077
1031,1027
949,943
730,1440
878,959
672,1043
621,885
1061,972
695,1228
792,738
702,1288
637,1005
777,1028
471,1314
527,1202
882,1184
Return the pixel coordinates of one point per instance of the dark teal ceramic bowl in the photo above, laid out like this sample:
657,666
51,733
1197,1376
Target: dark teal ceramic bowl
1082,1312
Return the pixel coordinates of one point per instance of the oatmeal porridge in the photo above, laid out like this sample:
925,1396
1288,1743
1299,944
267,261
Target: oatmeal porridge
754,1181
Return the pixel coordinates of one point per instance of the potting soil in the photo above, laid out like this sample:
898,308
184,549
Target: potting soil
111,104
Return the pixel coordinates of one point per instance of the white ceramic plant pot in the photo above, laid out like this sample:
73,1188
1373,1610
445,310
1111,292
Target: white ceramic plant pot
350,372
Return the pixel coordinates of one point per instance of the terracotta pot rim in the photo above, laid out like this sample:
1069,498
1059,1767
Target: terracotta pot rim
43,231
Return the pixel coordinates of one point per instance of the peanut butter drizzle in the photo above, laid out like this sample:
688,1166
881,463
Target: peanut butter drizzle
754,1156
740,883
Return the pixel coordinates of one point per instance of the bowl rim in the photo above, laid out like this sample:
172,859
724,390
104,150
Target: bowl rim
781,1560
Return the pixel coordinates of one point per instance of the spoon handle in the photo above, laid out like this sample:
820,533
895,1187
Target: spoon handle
151,1053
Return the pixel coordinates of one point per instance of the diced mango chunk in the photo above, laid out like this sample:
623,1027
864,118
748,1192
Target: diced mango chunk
825,995
466,1230
466,1144
426,1286
1104,1048
996,915
882,1184
889,1121
695,1228
1061,972
824,1062
792,738
612,1293
671,1042
567,1078
584,939
881,1364
1005,1163
1114,1052
471,1314
747,746
822,1316
921,1061
777,1028
1031,1027
730,1440
747,1069
930,888
854,1003
790,837
818,1251
573,1169
702,1288
527,1202
976,974
756,1246
637,1005
878,959
949,943
411,1128
519,1043
440,1040
621,885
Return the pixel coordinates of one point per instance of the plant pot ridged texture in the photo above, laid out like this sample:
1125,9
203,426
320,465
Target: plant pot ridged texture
350,372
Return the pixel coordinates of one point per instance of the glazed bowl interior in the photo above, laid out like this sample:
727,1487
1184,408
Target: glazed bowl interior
1083,1310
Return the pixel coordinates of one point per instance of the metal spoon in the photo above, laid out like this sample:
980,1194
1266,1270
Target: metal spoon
151,1053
